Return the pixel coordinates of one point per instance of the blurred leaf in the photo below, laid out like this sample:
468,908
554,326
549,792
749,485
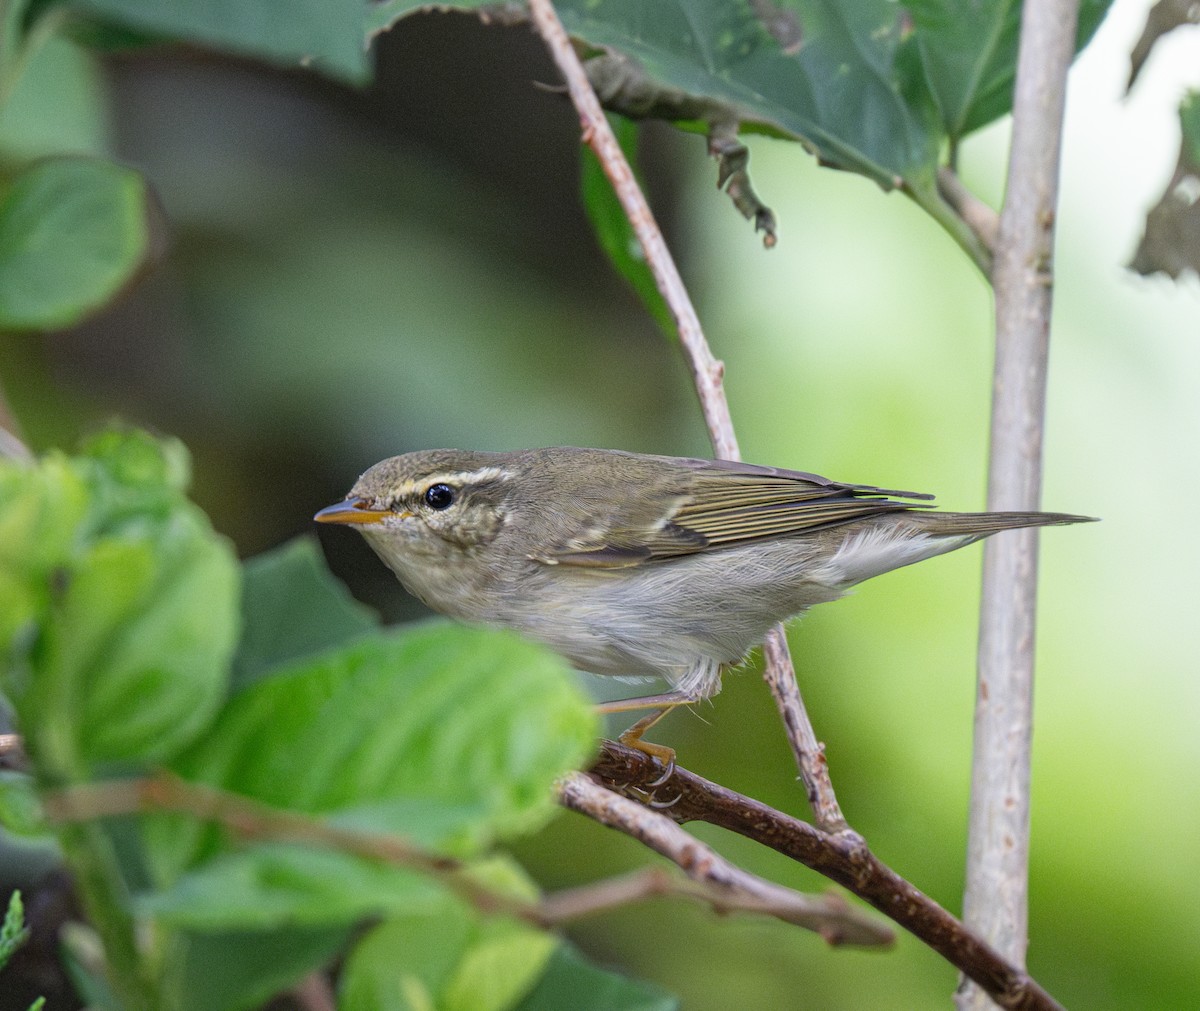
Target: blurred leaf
236,970
1171,242
445,734
450,958
73,232
127,604
20,811
292,607
83,960
571,981
41,509
326,32
58,107
1164,16
276,885
969,55
612,227
141,639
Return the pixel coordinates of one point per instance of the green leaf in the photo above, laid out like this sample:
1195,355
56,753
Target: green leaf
969,55
448,735
293,607
141,638
239,970
326,32
279,885
823,72
571,981
58,107
449,958
73,232
612,227
127,605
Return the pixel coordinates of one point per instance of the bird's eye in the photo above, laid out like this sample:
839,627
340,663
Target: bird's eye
439,496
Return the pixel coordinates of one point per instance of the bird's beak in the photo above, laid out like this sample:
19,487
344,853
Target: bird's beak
353,510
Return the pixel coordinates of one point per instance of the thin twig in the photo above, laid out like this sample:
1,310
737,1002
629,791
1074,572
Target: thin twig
724,884
841,857
996,895
707,372
809,752
714,883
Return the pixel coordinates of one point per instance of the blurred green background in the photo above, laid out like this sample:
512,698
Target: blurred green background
352,275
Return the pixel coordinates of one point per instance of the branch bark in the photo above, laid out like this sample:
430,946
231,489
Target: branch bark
707,373
722,883
841,857
996,896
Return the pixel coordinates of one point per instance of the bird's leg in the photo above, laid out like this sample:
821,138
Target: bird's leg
661,704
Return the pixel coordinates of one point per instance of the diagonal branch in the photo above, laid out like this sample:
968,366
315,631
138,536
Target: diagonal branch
842,858
996,895
707,372
726,885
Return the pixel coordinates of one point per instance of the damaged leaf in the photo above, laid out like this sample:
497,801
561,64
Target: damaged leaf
1164,16
1171,243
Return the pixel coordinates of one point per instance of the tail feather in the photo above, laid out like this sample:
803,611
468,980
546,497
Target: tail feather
982,524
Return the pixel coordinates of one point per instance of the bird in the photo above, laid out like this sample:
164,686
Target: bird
640,566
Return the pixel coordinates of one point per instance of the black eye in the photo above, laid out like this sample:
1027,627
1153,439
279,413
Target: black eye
439,496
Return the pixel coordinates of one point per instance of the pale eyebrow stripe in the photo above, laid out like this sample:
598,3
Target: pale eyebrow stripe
460,477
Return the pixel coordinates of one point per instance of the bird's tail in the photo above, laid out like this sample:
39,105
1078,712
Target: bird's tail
976,525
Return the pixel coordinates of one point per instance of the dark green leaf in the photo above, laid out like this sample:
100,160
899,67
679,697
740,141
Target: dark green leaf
442,733
327,32
612,227
236,970
276,885
969,55
819,71
572,982
293,607
73,232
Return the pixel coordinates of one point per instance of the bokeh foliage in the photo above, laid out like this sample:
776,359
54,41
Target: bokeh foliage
354,275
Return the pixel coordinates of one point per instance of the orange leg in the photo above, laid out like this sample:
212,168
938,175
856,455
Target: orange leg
661,704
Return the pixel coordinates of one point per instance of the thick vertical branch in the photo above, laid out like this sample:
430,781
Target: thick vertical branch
996,897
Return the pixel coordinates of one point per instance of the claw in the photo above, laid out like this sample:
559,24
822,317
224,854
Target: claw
661,805
666,775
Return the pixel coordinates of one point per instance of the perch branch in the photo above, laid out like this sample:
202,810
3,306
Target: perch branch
723,884
715,883
841,857
995,900
707,372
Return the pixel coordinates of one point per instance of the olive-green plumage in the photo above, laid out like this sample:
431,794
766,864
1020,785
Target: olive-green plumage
641,566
